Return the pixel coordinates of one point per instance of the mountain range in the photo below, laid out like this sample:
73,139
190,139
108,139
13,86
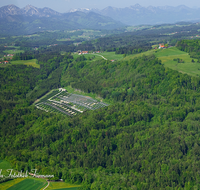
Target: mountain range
30,19
137,15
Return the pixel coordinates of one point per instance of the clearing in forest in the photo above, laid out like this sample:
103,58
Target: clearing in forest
32,62
68,103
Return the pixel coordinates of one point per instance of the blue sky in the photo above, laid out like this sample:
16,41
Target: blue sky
66,5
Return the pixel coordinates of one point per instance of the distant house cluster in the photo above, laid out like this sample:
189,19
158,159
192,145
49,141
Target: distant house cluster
9,55
4,62
83,52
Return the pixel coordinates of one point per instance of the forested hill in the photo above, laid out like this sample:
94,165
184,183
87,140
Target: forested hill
148,138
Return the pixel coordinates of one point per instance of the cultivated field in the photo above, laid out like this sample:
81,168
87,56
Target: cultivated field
68,103
9,184
32,62
29,184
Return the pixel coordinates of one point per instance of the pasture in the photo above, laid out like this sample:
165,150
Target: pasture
167,57
32,62
98,56
110,55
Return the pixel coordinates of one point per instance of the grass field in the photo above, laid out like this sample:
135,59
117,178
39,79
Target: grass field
108,55
62,186
29,184
168,55
111,55
32,62
9,184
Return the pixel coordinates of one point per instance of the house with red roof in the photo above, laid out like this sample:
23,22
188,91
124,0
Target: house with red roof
161,46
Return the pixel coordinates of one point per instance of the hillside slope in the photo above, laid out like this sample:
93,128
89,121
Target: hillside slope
147,139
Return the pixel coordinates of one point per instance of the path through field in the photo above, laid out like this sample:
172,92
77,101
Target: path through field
47,185
101,56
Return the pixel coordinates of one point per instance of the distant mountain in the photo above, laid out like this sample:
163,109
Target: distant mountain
16,21
29,10
137,15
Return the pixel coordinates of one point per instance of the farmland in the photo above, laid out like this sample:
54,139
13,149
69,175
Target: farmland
29,184
9,184
68,103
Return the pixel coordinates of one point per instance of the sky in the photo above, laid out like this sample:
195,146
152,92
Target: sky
65,5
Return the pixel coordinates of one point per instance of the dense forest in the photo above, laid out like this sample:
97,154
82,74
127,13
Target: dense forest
147,138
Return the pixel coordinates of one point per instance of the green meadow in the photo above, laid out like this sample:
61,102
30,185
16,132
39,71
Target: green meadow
108,55
111,55
32,62
167,57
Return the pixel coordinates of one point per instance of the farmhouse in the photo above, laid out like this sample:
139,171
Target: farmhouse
161,46
83,52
